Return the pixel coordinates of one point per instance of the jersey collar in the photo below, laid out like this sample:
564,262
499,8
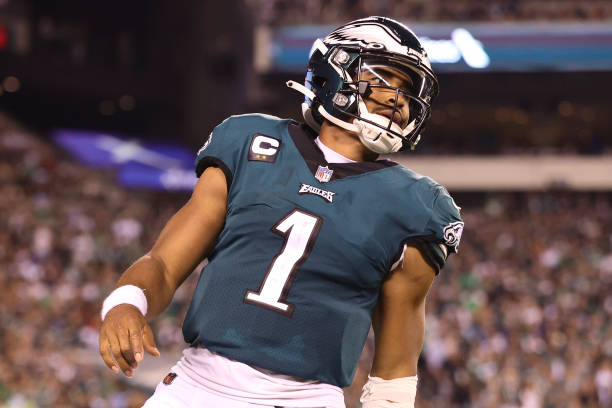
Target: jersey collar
304,140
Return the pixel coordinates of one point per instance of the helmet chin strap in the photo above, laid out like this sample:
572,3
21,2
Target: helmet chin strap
375,138
309,94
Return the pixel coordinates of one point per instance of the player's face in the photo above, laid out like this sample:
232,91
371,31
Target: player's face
381,100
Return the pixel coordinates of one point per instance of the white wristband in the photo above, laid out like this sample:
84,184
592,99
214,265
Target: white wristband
128,294
395,393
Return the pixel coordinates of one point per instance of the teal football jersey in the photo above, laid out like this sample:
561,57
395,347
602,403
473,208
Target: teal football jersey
296,271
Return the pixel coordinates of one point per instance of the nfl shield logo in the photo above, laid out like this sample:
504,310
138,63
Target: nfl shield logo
169,378
323,174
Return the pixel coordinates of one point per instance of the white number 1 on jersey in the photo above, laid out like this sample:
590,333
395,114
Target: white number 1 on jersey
300,230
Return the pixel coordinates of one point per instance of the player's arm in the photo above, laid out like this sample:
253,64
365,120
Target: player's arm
185,240
399,328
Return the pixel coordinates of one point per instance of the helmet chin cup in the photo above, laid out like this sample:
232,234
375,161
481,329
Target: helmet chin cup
376,138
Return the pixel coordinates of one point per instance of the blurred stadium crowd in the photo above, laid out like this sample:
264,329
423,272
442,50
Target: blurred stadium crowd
567,128
520,318
66,233
319,11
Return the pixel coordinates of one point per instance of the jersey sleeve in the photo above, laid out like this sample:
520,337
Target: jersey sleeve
442,232
220,149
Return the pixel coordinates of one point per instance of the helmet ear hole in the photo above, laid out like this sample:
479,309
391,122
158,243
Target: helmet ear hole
319,81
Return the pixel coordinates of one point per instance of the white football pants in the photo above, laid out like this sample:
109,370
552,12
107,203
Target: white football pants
181,394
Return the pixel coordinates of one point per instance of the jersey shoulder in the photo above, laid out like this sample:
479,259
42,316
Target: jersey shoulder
238,127
445,221
442,225
223,145
419,190
421,182
250,123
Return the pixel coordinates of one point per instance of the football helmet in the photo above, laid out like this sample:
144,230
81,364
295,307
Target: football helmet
367,57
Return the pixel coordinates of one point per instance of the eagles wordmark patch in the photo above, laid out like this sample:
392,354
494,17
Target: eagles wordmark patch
264,148
308,189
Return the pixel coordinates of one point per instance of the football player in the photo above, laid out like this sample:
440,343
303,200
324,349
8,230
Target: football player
310,240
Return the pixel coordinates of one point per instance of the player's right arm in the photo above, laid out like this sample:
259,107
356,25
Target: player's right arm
185,240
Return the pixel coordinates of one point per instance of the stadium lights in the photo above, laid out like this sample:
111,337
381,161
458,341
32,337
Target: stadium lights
461,44
127,102
476,47
11,84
